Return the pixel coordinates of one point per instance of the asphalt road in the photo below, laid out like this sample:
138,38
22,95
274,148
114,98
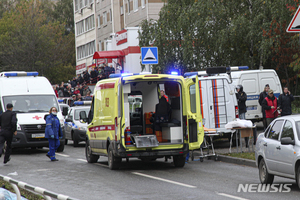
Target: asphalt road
74,177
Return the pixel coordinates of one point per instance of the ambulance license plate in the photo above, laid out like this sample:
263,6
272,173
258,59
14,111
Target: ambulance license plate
39,135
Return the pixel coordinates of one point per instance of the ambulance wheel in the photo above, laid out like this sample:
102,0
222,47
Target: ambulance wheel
66,141
179,161
113,162
201,159
88,154
61,147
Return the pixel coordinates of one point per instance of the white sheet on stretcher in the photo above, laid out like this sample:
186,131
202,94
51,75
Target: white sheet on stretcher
239,123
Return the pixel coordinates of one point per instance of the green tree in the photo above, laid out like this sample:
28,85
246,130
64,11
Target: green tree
30,41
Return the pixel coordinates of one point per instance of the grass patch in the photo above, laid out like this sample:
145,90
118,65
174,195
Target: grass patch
26,194
246,155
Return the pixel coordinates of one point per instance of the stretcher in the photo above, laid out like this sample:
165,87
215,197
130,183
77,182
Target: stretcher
208,144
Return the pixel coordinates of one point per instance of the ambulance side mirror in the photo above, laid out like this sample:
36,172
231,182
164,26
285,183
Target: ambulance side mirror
65,111
82,116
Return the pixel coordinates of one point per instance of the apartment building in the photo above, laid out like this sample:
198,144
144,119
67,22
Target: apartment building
110,28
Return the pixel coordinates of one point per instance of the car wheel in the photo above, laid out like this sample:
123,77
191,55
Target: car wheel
264,176
113,162
298,177
179,161
66,141
88,153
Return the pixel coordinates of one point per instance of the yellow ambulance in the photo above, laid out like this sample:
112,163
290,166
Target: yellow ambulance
145,116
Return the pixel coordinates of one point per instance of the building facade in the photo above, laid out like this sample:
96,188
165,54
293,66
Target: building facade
111,25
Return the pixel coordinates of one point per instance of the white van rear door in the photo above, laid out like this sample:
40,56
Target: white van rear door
250,85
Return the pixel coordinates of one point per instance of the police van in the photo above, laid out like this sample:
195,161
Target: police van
32,97
253,82
127,118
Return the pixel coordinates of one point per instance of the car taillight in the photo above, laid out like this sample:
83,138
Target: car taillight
236,112
116,128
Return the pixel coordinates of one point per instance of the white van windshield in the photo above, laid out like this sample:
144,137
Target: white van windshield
77,112
31,103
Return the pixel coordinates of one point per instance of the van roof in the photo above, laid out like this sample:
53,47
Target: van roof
237,74
25,85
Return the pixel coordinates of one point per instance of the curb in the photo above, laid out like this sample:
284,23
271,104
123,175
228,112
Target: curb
233,160
238,161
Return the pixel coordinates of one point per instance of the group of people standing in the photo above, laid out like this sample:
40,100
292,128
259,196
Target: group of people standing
271,105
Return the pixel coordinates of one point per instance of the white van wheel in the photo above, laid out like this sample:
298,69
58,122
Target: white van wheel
298,176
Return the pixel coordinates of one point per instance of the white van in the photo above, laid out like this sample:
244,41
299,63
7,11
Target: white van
32,97
254,82
218,100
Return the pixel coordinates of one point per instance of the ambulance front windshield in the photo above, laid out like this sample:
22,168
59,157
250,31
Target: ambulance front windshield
31,103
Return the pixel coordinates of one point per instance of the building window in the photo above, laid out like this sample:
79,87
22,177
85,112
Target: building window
89,23
105,18
110,16
76,5
128,6
100,46
80,27
99,25
143,3
80,4
122,11
86,50
135,5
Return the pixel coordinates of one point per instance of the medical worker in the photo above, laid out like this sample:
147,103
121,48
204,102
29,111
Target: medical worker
53,132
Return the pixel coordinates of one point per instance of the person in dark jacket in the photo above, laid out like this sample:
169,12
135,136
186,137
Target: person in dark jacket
94,75
86,77
52,132
74,82
241,97
285,102
8,123
270,106
262,96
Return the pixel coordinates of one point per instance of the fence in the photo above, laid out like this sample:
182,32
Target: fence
46,193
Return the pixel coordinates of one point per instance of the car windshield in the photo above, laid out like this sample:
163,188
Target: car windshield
298,129
77,111
31,103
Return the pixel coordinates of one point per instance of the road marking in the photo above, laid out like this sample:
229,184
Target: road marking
40,170
231,196
82,160
64,155
165,180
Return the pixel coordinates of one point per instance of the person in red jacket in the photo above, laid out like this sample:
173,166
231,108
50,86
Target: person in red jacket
270,106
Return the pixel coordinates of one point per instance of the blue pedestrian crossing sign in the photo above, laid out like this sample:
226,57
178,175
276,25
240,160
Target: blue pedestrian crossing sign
149,55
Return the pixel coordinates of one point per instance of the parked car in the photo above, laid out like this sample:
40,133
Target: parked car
277,150
75,129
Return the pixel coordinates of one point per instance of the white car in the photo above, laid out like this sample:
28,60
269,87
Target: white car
277,150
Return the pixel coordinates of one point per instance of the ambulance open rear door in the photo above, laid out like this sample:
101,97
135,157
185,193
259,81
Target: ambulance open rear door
194,118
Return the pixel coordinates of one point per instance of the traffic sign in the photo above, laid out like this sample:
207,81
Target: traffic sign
149,55
295,23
